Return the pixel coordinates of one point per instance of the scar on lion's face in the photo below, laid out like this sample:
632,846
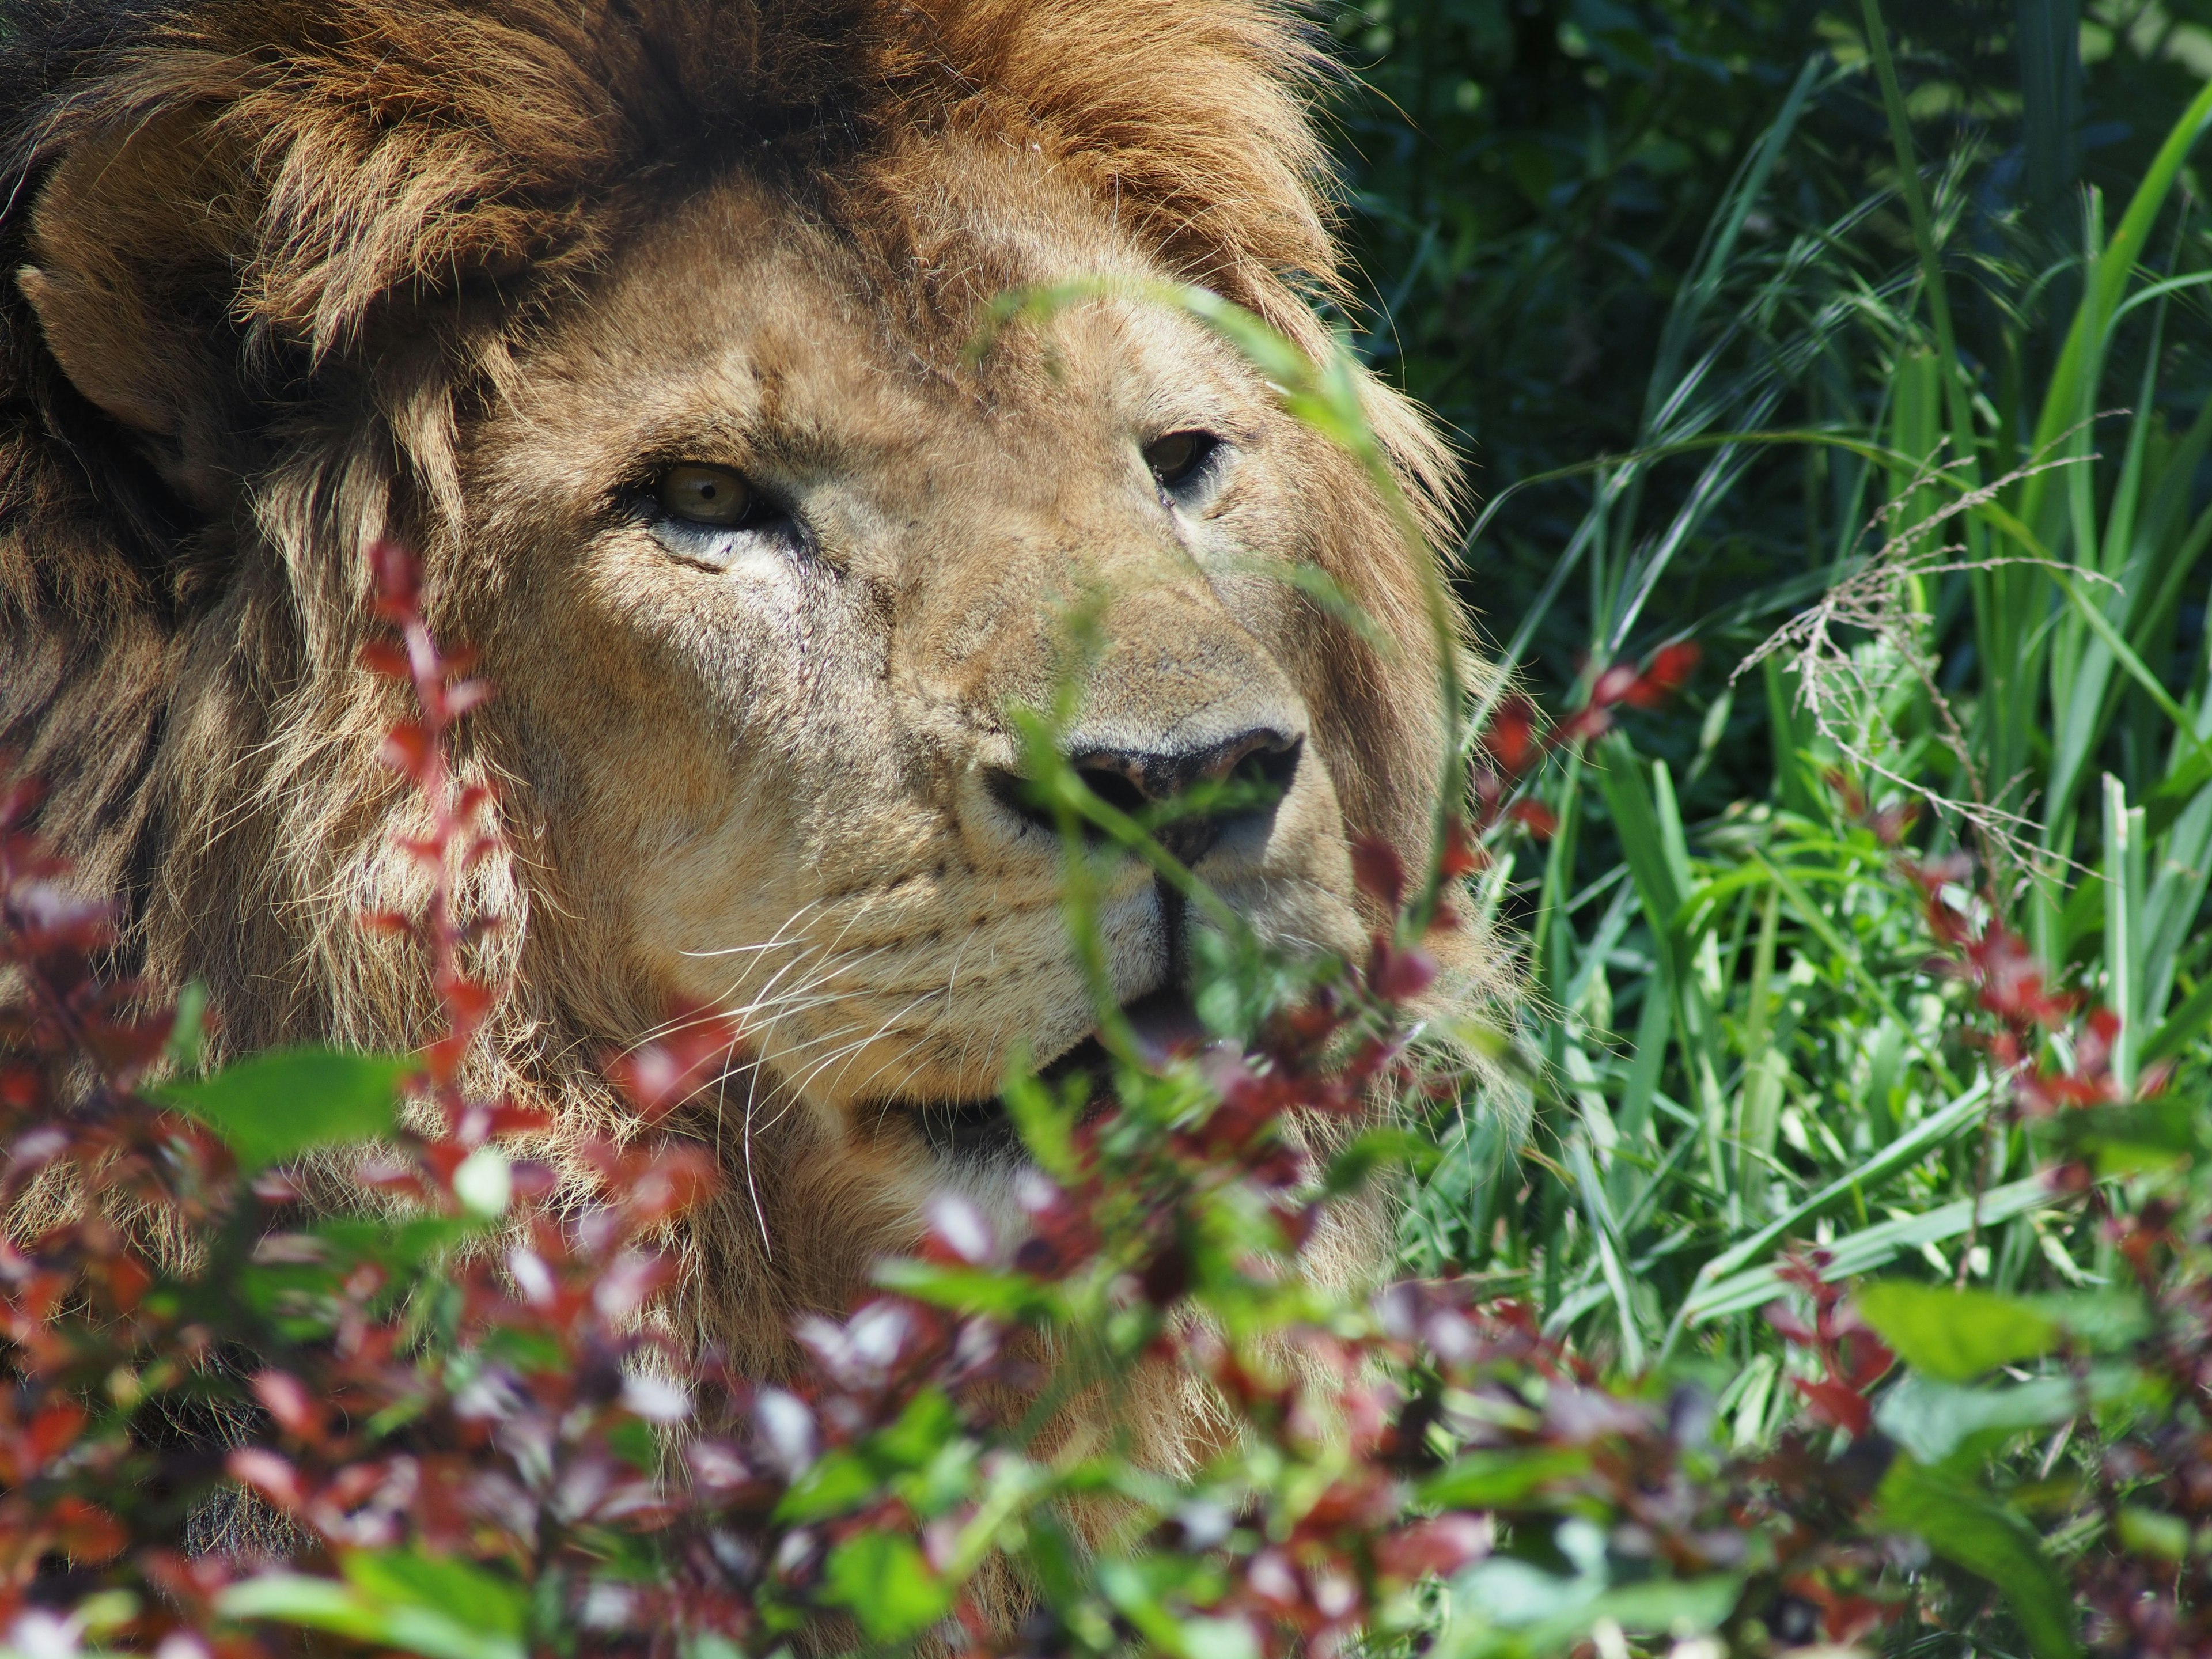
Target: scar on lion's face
794,549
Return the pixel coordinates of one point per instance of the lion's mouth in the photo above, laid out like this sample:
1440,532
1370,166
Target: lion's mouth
1166,1026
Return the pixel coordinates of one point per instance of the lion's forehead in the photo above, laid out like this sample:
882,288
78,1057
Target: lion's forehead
743,317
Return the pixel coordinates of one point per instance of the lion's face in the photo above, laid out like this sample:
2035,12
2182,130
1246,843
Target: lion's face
773,566
647,324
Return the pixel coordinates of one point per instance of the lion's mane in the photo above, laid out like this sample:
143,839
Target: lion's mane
329,221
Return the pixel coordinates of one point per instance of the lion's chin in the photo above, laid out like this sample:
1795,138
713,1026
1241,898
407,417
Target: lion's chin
980,1131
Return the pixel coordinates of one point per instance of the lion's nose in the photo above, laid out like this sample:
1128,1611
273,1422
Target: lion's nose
1191,797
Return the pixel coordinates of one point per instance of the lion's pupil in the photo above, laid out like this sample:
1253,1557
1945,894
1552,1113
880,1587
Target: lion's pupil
705,495
1175,457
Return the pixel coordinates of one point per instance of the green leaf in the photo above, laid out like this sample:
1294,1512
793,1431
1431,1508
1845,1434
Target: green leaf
480,1600
1552,1611
1498,1480
1355,1166
2153,1532
1955,1335
1932,1420
1220,1638
832,1484
1969,1530
1672,1607
1139,1587
437,1606
1046,1123
288,1101
922,1429
1861,1252
404,1247
2180,1027
2098,1320
189,1029
963,1290
882,1577
2144,1134
1628,798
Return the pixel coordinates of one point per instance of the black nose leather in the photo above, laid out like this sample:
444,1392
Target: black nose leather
1257,765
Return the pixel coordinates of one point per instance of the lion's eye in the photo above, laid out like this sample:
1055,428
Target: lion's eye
1178,459
706,494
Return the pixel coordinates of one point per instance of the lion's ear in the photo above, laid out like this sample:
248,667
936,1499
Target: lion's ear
125,259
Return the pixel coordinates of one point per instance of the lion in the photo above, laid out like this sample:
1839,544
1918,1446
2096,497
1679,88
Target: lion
649,326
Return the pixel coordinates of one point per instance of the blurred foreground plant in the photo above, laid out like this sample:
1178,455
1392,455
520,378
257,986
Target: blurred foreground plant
465,1435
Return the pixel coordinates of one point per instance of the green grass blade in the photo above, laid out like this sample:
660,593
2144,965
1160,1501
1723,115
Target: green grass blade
2080,361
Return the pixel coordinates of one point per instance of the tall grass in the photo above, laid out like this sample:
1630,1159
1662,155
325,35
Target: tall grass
1743,1044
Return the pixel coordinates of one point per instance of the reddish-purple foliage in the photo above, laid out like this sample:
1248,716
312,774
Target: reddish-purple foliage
488,1386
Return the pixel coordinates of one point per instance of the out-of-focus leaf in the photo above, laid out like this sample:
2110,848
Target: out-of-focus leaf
2147,1134
1138,1590
881,1577
2153,1532
1353,1168
290,1101
460,1589
1955,1335
832,1485
1496,1479
438,1607
183,1048
963,1290
1510,1607
1970,1530
405,1246
2098,1320
1046,1123
1672,1607
920,1431
1931,1419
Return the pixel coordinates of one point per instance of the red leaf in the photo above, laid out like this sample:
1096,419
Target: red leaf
1441,1545
128,1281
1836,1403
382,657
1510,737
1788,1326
1586,725
398,578
457,699
266,1472
1378,871
1462,856
407,749
1668,672
288,1400
88,1534
1396,974
1870,1360
1538,819
1612,686
53,1432
699,1045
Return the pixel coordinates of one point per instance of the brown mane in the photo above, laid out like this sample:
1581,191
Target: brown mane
326,224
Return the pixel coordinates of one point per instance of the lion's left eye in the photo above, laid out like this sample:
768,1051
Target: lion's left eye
707,496
715,518
1178,460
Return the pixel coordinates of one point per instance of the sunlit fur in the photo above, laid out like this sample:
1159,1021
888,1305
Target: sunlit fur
291,277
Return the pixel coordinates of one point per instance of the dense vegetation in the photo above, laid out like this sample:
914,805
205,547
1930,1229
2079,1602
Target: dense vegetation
1677,298
1839,402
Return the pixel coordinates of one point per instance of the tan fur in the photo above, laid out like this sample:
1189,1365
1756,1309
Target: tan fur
294,277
